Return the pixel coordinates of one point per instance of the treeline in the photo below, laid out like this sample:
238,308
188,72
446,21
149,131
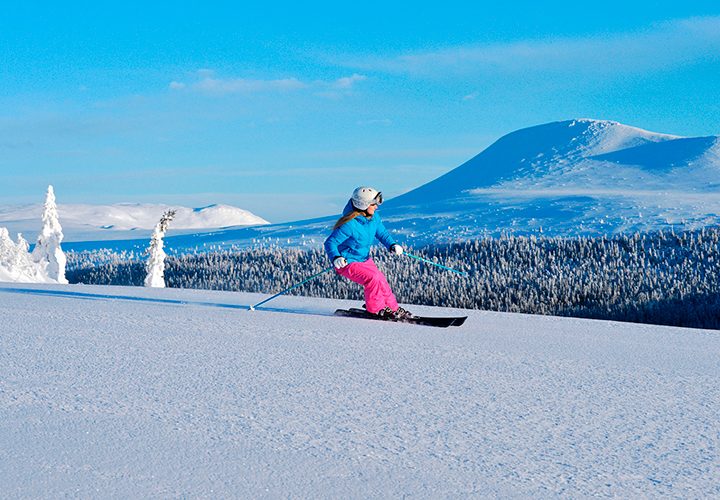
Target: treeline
661,278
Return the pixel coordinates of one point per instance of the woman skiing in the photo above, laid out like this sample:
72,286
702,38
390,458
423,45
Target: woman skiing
348,247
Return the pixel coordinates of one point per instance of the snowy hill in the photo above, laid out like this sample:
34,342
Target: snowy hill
567,178
125,220
575,177
124,392
530,154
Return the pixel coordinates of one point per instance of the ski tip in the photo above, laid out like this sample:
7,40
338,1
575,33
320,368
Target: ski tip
459,321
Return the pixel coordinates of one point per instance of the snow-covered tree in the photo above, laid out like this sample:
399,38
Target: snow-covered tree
16,263
47,252
156,262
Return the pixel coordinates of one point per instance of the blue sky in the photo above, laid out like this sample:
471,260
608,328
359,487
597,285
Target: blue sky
284,109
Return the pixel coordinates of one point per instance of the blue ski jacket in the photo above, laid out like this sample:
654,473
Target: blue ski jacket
353,239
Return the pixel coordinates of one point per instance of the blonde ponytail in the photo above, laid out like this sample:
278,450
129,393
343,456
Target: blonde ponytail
347,218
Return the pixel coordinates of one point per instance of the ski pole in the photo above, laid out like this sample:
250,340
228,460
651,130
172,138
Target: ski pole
252,308
461,273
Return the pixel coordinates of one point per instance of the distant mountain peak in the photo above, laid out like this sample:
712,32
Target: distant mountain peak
579,176
532,152
584,136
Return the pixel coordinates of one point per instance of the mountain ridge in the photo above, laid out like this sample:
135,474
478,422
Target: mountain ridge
579,177
525,149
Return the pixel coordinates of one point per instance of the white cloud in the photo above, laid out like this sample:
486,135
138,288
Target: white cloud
471,96
246,85
664,45
348,81
207,83
337,89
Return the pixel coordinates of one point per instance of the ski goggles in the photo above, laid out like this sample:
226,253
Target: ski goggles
378,198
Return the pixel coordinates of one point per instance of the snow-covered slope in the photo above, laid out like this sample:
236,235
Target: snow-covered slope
125,220
529,154
587,177
573,177
135,393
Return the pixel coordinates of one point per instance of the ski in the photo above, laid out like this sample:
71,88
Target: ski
441,322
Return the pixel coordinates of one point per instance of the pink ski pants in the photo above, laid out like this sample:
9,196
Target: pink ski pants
377,291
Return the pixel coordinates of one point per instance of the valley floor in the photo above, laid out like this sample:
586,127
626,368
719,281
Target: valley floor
129,392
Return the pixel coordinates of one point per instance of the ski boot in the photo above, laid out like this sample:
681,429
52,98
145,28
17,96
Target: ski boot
386,314
402,314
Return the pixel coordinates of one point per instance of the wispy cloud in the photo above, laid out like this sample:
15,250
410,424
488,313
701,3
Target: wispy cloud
664,45
336,89
208,83
246,85
349,81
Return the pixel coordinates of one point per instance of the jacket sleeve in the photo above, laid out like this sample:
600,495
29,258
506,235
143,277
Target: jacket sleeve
336,238
384,235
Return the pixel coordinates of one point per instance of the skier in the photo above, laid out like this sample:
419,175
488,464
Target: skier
348,247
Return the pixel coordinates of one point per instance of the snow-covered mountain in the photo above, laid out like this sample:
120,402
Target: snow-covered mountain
575,177
572,177
125,220
110,392
530,154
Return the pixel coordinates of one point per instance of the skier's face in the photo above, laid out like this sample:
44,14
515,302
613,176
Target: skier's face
371,209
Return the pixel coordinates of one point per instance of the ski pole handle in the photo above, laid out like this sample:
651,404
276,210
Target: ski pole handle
252,308
461,273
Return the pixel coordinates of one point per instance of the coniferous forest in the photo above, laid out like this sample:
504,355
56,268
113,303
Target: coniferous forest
660,278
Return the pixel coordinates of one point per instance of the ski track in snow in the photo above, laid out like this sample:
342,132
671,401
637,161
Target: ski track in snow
130,392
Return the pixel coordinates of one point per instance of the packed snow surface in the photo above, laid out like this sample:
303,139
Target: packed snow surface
134,393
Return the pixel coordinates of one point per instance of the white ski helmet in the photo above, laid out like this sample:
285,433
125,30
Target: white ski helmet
363,197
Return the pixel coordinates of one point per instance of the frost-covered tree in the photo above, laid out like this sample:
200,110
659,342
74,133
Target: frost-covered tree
47,252
16,263
156,261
